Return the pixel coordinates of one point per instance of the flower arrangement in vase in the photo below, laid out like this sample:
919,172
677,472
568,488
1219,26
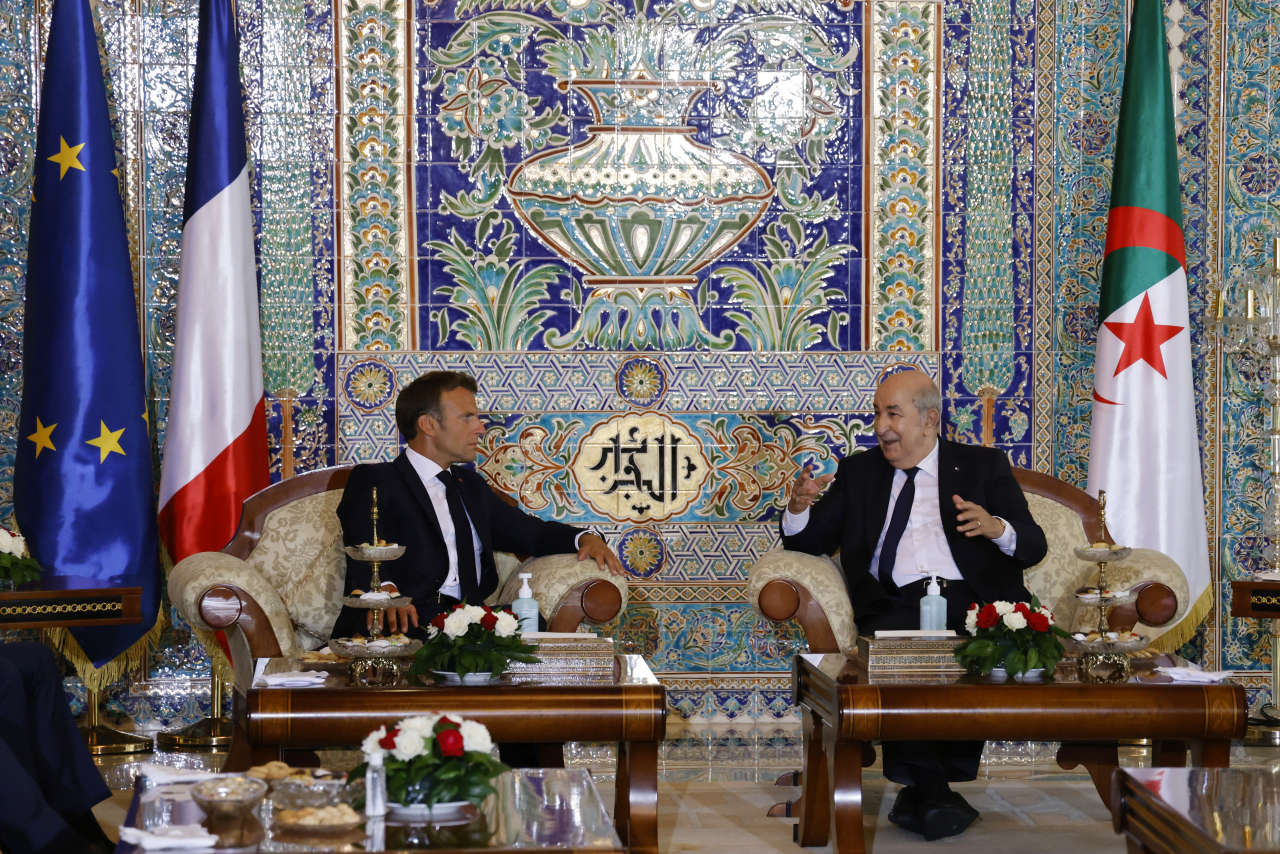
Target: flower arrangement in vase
472,639
16,564
1019,637
434,759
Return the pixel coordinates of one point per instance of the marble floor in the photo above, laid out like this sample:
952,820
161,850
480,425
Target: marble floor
717,781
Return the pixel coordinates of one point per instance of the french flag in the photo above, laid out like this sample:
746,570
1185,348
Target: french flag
215,450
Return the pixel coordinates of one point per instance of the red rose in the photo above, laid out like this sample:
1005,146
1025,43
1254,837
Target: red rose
438,621
988,616
444,723
1038,621
388,741
1021,608
488,621
450,742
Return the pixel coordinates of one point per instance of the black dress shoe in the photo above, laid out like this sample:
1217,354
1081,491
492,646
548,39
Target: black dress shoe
905,811
946,815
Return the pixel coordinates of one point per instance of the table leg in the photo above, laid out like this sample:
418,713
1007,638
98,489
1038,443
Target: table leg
1211,753
1100,760
635,799
844,770
813,808
1168,754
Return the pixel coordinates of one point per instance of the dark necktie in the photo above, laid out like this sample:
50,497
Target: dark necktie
893,534
462,541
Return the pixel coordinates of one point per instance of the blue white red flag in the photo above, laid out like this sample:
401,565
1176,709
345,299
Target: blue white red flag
215,451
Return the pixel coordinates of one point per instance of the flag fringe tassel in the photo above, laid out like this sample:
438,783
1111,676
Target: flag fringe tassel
98,678
1186,628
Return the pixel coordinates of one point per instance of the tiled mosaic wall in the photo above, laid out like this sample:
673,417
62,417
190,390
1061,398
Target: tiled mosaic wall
678,241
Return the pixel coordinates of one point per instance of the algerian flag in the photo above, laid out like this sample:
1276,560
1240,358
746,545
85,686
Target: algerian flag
1144,449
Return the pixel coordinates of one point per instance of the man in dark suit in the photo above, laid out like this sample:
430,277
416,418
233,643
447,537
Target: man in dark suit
912,507
423,502
48,782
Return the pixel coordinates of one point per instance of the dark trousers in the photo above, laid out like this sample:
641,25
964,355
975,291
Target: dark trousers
46,772
927,763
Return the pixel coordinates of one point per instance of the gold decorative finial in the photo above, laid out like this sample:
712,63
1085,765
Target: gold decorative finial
373,514
1102,510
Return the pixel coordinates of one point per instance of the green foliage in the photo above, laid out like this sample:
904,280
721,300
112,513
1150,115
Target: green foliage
479,650
20,570
779,301
1017,650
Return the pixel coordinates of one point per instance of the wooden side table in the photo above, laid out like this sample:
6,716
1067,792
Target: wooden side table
1198,810
64,603
1261,601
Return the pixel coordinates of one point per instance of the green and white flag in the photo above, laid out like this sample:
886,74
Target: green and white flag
1144,450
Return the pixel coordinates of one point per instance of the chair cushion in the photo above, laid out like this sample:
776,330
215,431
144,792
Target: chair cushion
1056,578
553,577
300,552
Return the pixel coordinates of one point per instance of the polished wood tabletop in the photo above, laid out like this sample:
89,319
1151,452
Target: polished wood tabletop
630,710
843,711
1198,810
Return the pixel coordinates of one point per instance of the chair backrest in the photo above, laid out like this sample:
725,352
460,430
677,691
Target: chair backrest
1069,517
290,533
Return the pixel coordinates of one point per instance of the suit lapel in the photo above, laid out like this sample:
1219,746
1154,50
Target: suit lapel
950,482
413,483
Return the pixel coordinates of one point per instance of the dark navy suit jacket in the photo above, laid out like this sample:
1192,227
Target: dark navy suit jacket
406,516
850,516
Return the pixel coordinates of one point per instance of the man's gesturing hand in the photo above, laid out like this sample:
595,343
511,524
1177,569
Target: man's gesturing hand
806,489
975,521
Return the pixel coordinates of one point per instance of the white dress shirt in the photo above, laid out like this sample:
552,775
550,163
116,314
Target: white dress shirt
923,549
428,470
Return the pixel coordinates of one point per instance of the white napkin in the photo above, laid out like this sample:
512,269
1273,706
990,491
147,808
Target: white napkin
292,679
168,836
162,774
1191,674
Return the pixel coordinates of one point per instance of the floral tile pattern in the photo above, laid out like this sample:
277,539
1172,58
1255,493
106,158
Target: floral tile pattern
712,222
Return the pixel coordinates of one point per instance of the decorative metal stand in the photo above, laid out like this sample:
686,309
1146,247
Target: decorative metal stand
102,739
374,667
1105,660
1246,319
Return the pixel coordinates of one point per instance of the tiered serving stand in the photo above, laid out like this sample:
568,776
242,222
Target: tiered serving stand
376,662
1105,659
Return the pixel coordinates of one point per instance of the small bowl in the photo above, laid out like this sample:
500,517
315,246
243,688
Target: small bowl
296,794
228,795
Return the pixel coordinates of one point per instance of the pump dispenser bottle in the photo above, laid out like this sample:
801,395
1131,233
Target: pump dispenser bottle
933,608
525,607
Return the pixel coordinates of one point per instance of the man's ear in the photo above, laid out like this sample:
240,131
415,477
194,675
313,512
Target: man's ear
932,419
426,425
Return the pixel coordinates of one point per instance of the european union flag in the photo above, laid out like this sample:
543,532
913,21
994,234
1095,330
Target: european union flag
83,487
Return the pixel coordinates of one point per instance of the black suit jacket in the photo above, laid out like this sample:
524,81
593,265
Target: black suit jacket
406,516
852,513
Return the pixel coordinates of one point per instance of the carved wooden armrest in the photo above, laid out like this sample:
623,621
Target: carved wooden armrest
811,590
569,590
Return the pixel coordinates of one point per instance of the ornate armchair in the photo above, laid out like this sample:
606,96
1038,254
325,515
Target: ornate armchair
276,588
792,585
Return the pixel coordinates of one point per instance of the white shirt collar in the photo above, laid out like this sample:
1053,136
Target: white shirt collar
929,465
426,467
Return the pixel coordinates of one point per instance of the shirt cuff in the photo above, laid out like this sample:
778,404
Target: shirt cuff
794,523
1008,541
577,540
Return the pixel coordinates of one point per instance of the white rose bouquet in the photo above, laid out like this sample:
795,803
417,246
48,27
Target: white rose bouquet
434,758
472,639
15,563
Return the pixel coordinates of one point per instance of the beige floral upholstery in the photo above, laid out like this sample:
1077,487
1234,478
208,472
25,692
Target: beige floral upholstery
296,569
1056,578
821,576
193,576
553,577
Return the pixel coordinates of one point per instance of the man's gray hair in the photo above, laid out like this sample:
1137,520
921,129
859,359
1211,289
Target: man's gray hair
928,397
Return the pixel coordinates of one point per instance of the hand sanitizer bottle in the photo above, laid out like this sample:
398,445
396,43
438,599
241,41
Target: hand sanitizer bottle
933,608
526,607
375,787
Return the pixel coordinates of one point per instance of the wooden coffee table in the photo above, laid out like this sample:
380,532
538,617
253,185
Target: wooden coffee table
842,713
631,711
